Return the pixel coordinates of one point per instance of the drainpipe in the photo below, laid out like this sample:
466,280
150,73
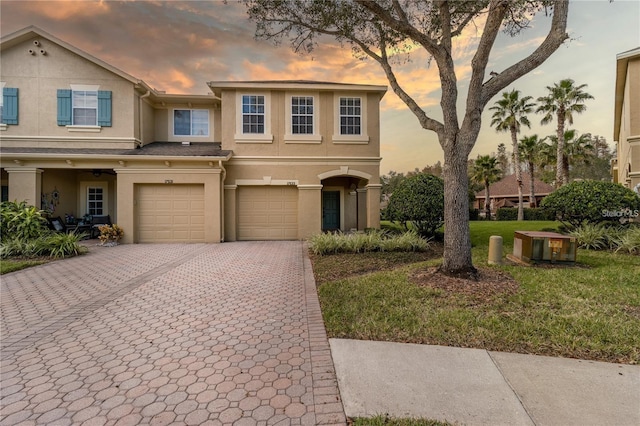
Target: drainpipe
224,176
140,120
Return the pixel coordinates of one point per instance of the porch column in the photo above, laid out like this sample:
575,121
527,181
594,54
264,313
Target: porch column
362,208
212,206
230,223
309,210
373,205
25,184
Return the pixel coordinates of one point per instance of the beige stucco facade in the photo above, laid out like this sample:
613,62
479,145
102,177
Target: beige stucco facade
627,119
304,182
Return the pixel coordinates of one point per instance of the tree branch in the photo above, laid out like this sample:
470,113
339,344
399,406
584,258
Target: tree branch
556,36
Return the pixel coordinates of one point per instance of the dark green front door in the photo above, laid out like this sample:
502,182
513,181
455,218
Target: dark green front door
330,210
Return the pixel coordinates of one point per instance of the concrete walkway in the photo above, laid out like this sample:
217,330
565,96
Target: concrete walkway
167,334
477,387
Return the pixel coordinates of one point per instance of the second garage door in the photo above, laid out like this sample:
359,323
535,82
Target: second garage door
267,213
170,213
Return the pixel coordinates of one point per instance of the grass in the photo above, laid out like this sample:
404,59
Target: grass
384,420
12,265
590,311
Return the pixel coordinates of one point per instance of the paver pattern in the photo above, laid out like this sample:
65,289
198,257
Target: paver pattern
167,334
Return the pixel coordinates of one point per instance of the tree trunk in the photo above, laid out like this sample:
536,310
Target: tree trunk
487,201
560,150
516,161
565,168
532,195
457,239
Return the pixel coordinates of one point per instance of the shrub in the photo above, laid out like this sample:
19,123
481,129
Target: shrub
591,236
418,199
19,220
538,214
511,213
110,234
507,213
591,202
63,245
49,244
322,244
474,214
628,241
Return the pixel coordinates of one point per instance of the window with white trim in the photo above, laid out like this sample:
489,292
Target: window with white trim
350,121
85,107
350,116
191,122
95,201
302,115
253,114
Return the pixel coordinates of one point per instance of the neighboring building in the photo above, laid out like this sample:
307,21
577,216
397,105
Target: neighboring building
626,127
250,161
504,193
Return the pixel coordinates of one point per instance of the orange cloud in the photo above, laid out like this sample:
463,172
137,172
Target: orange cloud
61,10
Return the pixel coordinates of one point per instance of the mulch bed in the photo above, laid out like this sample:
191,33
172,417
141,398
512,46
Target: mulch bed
489,284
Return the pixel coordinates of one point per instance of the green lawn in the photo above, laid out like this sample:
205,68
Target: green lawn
588,311
10,265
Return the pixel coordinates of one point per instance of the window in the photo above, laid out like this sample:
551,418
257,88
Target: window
85,108
350,116
350,122
253,114
253,117
9,105
191,122
95,201
302,115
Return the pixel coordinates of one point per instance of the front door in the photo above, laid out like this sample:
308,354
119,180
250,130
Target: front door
330,210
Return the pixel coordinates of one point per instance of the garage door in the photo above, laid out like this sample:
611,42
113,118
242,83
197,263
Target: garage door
267,213
170,213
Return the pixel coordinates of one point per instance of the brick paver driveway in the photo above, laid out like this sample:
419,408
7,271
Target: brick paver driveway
167,334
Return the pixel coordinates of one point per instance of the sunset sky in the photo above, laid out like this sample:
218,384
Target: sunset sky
179,46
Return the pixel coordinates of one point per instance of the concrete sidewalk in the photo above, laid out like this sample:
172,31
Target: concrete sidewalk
478,387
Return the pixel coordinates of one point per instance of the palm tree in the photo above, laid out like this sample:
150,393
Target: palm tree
510,113
530,148
486,170
576,150
563,100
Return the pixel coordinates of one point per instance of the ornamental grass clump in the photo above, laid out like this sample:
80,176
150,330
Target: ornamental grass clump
591,236
371,241
629,241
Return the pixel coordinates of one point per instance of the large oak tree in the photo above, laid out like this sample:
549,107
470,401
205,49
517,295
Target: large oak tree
380,29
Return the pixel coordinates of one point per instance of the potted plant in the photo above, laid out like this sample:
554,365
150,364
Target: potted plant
110,235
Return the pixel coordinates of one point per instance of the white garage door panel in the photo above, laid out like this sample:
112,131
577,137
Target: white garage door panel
170,213
267,213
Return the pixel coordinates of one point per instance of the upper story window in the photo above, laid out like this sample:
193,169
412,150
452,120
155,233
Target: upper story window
351,119
350,116
301,118
253,114
84,108
191,122
253,117
302,115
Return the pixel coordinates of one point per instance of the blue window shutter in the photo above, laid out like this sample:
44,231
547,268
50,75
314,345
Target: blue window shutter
9,105
104,108
64,107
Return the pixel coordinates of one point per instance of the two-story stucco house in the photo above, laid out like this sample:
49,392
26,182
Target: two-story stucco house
261,160
626,130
